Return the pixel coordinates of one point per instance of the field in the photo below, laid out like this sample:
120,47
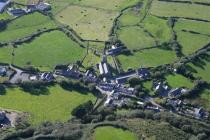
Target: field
111,133
147,58
176,81
57,105
169,9
48,51
6,54
25,26
89,23
135,37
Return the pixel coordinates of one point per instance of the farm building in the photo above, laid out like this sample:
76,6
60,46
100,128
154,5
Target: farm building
43,6
17,12
3,5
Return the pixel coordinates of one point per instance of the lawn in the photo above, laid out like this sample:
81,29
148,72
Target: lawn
6,54
89,23
48,51
176,81
111,133
170,9
191,42
57,105
25,26
135,37
147,58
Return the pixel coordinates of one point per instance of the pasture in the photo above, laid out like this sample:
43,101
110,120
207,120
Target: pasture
170,9
177,81
6,54
56,105
191,42
47,51
147,58
89,23
134,37
25,26
111,133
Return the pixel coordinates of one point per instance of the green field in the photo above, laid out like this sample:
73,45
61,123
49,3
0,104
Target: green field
191,42
192,25
57,105
135,37
201,70
6,54
169,9
111,133
89,23
147,58
25,26
48,51
176,81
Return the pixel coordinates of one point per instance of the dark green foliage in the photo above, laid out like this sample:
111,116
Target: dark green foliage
82,110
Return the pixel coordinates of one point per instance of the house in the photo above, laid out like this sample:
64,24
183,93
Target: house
161,88
3,6
143,73
114,50
17,12
174,93
3,71
47,76
43,6
2,116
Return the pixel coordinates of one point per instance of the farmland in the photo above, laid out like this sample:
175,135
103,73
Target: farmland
44,53
147,58
169,9
56,105
6,54
25,26
111,133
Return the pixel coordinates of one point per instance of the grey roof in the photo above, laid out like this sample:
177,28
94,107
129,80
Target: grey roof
2,6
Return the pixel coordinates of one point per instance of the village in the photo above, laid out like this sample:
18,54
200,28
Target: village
115,89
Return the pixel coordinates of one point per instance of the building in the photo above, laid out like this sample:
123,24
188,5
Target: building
174,93
114,50
103,66
3,6
143,73
3,71
17,12
43,6
47,76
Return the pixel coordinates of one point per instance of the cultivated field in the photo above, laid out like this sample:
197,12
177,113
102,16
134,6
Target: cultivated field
111,133
48,51
57,105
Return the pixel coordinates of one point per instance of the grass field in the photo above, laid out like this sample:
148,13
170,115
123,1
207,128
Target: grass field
158,28
25,26
202,70
6,54
89,23
130,17
48,51
134,37
57,105
176,81
147,58
111,133
191,42
116,5
169,9
192,25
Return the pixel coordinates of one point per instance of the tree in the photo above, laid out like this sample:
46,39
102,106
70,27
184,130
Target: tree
83,109
134,81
